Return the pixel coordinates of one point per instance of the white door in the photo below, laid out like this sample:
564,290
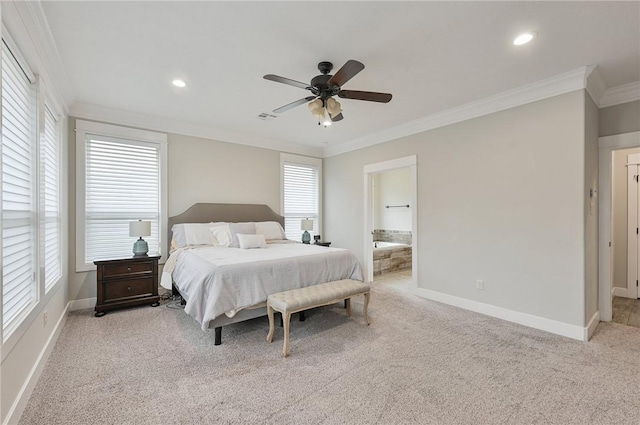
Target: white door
633,238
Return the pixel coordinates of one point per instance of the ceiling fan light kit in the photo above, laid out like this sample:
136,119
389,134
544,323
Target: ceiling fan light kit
324,87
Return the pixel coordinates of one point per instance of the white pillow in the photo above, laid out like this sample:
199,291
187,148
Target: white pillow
221,235
271,230
244,228
251,241
185,234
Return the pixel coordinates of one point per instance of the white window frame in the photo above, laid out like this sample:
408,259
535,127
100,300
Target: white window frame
88,127
286,158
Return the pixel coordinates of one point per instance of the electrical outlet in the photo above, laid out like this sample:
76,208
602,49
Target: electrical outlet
45,317
480,284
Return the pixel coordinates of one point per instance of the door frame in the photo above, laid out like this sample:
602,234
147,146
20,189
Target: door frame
377,168
633,160
606,146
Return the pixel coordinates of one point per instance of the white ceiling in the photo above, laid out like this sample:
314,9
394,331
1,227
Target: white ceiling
431,56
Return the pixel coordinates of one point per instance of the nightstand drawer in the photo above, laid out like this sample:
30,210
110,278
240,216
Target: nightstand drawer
130,288
116,270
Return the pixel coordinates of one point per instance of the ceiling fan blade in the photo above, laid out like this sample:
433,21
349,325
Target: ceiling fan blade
365,95
288,81
347,72
294,104
337,117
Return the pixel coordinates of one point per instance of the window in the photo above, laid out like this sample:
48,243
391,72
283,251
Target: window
50,199
19,206
301,193
121,178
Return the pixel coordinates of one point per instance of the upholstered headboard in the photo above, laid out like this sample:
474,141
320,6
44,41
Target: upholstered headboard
232,213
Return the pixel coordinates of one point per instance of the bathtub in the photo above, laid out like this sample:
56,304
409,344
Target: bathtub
390,257
382,245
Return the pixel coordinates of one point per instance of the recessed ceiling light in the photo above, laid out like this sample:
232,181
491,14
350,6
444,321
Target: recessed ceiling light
523,38
179,83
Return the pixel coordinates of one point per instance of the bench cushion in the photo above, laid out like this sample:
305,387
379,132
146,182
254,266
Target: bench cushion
316,295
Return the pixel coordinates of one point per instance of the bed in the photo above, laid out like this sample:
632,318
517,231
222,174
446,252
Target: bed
224,285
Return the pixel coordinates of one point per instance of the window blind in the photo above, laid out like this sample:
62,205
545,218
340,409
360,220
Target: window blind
19,290
301,195
50,163
122,185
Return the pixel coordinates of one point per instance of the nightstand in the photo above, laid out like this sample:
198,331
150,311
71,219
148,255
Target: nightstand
127,282
321,243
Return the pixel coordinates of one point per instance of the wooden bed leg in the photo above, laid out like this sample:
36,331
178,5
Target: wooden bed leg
218,336
302,316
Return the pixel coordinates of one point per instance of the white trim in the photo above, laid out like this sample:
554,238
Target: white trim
134,119
118,131
82,304
17,408
606,146
617,291
536,322
380,167
591,326
549,87
595,85
620,94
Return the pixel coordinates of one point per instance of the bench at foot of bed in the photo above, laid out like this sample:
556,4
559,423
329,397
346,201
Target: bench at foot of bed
298,300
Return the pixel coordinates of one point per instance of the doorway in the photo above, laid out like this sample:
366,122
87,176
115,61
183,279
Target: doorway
391,217
613,250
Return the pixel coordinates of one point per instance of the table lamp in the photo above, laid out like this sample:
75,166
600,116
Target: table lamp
306,225
139,229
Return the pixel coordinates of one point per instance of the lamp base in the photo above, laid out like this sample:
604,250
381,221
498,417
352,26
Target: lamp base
140,247
306,237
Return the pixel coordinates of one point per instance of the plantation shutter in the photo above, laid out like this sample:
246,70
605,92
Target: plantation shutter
301,195
122,185
19,291
50,154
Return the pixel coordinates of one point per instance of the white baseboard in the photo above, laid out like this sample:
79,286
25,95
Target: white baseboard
591,326
559,328
15,412
617,291
82,304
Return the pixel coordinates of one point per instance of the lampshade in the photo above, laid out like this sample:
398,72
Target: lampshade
306,224
139,228
333,107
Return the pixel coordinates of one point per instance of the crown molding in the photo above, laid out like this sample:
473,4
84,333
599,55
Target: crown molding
42,49
150,122
549,87
594,84
621,94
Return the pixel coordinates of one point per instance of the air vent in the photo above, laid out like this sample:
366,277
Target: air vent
267,117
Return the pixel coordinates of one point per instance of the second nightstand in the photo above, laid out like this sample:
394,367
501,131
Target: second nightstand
127,282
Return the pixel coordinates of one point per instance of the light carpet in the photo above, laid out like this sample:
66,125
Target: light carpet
420,362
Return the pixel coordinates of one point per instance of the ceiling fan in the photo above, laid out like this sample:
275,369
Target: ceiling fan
324,87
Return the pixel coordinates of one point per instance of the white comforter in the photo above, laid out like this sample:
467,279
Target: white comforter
219,280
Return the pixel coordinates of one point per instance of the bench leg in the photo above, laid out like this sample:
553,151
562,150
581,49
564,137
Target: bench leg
366,305
285,348
271,323
347,303
218,340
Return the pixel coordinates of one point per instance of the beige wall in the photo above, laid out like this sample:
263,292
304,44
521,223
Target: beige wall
200,170
590,207
619,216
393,188
500,198
619,119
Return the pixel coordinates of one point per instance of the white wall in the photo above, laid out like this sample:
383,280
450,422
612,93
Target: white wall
501,198
393,188
619,216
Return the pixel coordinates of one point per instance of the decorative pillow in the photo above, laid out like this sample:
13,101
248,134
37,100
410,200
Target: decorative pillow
244,228
270,229
221,235
251,241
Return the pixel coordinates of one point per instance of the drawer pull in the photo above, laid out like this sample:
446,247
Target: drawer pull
128,269
129,288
